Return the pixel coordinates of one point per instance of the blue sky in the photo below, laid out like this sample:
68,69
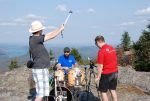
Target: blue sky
90,18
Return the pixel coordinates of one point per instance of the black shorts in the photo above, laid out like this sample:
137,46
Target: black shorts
108,82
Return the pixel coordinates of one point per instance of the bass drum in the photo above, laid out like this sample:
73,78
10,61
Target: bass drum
75,73
67,95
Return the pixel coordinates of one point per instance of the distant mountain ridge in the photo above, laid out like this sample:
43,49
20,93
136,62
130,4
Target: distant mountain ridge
3,54
8,52
85,51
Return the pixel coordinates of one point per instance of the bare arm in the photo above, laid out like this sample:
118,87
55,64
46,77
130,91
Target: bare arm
59,67
54,33
76,64
100,68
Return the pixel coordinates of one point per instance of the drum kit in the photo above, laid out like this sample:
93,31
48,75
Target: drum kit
68,87
62,85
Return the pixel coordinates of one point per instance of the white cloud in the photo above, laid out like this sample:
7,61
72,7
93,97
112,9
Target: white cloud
134,23
61,7
51,27
145,11
33,16
91,10
8,24
22,21
131,23
144,20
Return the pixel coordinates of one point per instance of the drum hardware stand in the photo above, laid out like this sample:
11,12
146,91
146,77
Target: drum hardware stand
76,93
59,93
77,88
85,69
57,97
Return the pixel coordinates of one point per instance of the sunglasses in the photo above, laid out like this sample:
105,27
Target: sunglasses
66,52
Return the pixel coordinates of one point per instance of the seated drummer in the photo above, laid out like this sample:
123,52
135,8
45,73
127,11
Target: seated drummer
66,61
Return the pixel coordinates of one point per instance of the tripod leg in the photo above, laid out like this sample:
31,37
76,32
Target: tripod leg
89,80
86,80
96,86
89,84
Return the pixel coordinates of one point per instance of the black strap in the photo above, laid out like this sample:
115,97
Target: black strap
30,49
30,54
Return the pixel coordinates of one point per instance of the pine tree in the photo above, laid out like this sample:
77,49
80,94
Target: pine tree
142,51
51,54
76,54
126,41
13,64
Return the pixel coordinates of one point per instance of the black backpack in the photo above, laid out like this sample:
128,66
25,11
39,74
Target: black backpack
30,62
87,96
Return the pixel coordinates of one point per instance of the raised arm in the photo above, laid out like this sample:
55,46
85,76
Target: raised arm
54,33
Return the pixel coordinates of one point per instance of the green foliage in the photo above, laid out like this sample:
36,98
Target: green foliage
76,54
125,41
13,64
148,26
142,51
51,54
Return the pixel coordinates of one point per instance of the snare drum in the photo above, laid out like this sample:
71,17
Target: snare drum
76,77
60,75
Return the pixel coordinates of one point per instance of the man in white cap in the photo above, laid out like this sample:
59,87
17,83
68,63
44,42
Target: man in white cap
40,57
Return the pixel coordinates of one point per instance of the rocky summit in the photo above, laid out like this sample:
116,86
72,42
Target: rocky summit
132,85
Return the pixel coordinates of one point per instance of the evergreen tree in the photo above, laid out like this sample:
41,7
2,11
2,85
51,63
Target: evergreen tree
76,54
13,64
125,41
51,54
142,51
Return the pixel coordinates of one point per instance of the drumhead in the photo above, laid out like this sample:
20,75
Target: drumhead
76,76
60,75
65,91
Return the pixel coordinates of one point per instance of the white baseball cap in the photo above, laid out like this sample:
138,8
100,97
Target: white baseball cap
36,26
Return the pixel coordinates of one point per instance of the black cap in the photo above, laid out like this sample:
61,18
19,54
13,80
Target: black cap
67,49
